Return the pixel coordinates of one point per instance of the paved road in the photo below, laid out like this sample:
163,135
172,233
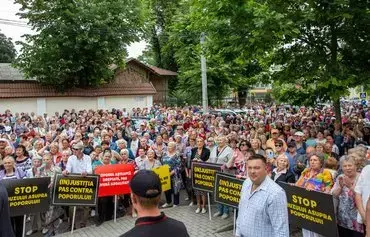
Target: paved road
197,224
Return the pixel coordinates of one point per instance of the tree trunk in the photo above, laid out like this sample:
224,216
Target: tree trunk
338,115
242,97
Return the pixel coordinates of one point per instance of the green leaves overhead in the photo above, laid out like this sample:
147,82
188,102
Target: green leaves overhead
77,41
7,50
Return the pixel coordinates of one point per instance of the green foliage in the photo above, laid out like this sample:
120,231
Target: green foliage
324,51
7,50
159,15
77,41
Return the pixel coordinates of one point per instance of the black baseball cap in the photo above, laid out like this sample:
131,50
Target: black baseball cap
146,183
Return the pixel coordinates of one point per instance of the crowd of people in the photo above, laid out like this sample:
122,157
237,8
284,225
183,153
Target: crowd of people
307,147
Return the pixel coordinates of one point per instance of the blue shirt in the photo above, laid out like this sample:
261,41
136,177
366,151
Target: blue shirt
263,212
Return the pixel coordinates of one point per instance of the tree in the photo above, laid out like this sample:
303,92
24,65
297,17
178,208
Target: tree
185,35
7,50
158,19
324,50
77,41
232,45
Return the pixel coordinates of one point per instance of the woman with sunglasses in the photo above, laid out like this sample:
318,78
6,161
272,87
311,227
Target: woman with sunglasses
236,163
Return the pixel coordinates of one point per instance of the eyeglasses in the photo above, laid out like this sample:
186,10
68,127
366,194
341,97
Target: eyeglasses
278,145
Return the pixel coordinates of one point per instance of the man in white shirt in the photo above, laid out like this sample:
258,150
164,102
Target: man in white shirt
79,163
134,144
362,193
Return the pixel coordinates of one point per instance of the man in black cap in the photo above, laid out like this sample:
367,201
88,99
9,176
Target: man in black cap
145,195
6,229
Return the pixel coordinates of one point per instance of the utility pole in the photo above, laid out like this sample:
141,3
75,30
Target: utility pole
204,75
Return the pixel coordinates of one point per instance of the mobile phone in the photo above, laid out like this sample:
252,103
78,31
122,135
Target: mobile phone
270,154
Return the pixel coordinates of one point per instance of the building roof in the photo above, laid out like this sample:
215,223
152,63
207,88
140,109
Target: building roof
163,72
27,89
14,85
153,69
9,73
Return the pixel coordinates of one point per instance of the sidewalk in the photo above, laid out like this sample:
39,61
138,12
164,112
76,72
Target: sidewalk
198,225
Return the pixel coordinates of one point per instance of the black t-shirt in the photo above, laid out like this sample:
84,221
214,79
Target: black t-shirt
157,226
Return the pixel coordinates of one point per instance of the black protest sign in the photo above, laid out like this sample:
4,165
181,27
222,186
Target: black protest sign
203,175
227,189
28,196
75,190
311,210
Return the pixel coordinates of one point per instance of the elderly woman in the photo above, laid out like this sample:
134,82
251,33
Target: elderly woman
172,159
125,199
344,190
10,171
200,154
35,218
159,147
121,145
238,159
36,164
256,146
22,161
282,173
49,169
151,162
221,155
315,178
105,204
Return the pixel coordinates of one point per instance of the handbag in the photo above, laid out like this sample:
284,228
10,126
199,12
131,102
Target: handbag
177,183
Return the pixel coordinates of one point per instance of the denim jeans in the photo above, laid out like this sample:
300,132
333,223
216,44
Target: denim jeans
223,209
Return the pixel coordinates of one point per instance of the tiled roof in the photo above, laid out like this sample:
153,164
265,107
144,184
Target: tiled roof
162,72
26,89
154,69
9,73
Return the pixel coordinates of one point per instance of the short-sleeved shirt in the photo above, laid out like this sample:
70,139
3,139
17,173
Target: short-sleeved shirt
78,166
363,188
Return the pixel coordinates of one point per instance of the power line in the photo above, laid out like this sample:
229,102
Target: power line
10,20
15,24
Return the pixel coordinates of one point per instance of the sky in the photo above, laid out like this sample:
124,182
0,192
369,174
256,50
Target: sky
8,11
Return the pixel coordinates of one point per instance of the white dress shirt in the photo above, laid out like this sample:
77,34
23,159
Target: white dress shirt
78,166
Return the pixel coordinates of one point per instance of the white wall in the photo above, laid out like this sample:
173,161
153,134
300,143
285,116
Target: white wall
54,104
51,105
128,102
19,105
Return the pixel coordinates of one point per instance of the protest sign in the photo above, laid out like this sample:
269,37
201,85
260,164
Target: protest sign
203,175
311,210
27,196
164,174
114,179
227,189
75,190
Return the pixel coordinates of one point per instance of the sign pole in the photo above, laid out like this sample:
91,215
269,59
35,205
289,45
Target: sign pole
234,229
209,206
115,208
24,225
73,219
